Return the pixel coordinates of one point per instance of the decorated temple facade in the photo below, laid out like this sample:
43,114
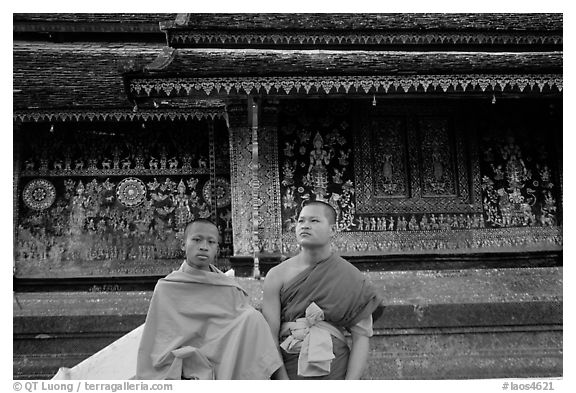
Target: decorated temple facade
420,149
436,137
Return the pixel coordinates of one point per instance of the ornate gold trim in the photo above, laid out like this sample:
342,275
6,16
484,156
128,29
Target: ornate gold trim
118,115
170,87
318,38
440,241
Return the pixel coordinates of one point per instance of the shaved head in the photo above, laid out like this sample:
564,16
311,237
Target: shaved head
200,221
329,211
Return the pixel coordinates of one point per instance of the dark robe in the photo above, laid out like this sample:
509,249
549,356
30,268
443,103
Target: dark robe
344,294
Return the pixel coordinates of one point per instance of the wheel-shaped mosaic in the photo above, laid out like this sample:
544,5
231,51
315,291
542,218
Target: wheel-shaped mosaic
131,192
222,191
39,194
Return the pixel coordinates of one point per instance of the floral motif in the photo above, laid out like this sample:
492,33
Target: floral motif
131,191
39,194
222,189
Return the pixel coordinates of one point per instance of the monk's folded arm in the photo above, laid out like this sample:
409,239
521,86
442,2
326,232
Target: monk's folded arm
358,356
271,312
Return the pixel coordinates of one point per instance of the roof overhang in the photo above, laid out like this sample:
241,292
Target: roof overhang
136,114
145,88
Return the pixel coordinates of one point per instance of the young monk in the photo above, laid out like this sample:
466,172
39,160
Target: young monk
200,324
312,297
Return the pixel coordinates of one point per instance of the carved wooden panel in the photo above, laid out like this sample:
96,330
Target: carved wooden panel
414,160
438,160
389,154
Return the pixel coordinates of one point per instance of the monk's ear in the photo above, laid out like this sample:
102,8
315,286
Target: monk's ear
334,228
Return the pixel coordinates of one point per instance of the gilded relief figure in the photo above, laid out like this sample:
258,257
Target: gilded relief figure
288,199
78,210
317,172
387,168
438,183
548,217
337,176
182,211
437,164
288,172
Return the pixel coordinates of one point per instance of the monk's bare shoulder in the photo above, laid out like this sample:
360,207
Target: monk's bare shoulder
278,274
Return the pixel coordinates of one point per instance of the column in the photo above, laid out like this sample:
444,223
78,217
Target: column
240,158
270,210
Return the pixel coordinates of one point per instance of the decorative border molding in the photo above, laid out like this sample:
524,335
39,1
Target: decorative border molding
114,172
212,169
170,87
440,241
240,158
271,216
72,26
118,115
319,38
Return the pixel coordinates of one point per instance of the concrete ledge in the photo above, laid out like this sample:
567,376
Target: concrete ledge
515,351
482,323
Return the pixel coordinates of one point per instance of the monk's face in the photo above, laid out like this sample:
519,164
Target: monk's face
201,245
313,228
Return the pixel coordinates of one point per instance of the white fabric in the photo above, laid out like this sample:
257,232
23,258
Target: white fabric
116,361
311,337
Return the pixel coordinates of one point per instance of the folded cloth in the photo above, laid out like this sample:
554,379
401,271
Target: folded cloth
311,337
197,366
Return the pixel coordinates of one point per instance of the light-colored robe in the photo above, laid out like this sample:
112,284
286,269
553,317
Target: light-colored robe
200,325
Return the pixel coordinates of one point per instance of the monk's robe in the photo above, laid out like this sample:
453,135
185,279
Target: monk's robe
316,307
200,325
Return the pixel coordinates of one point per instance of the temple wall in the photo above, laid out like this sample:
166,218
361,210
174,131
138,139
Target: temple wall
405,177
112,198
414,177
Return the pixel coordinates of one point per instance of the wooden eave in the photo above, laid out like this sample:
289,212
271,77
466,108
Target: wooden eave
89,23
75,75
269,62
367,31
364,21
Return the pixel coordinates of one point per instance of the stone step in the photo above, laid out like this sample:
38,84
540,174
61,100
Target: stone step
436,324
514,353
